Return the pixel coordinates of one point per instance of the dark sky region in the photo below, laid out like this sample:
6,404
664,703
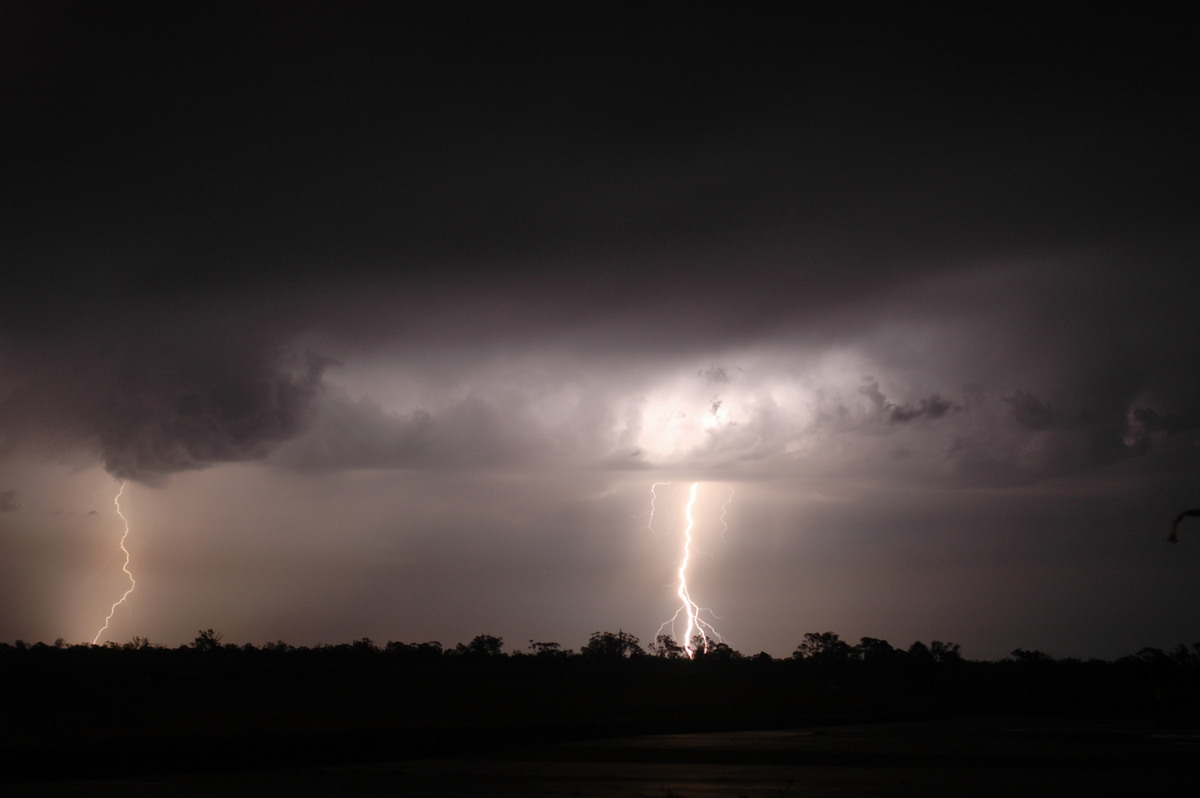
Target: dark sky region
392,314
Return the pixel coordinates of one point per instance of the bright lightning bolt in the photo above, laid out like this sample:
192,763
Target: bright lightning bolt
694,625
132,584
690,609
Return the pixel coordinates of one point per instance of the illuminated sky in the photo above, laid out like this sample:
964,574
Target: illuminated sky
392,318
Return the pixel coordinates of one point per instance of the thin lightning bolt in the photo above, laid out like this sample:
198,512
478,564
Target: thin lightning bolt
689,609
724,510
653,499
132,584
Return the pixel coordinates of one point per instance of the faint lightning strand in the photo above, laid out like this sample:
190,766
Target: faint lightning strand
132,584
653,499
724,510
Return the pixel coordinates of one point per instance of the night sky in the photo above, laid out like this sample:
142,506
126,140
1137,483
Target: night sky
391,315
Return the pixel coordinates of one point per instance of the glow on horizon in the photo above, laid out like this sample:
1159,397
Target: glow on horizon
132,583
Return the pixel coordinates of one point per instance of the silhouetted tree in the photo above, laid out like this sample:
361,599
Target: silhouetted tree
547,650
482,646
824,648
207,640
423,651
714,651
606,645
1182,655
664,646
1031,657
919,654
874,651
364,646
1152,656
945,652
428,649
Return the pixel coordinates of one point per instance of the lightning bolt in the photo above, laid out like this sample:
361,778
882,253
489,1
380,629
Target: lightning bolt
724,510
132,584
653,499
694,625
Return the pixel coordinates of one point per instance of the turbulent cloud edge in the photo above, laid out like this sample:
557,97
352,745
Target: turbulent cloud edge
978,438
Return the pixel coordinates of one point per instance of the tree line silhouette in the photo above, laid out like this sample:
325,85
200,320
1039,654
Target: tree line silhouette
277,704
823,650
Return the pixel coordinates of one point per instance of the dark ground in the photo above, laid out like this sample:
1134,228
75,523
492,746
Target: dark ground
93,721
950,757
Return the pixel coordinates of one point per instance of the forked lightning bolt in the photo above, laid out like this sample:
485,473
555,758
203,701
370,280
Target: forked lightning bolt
689,608
694,625
132,584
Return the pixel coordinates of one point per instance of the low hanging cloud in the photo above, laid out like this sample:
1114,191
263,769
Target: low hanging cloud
358,433
1031,412
149,407
800,392
670,420
180,425
930,407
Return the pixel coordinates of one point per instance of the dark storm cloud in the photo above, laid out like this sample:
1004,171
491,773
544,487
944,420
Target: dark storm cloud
359,179
318,142
930,407
180,420
1151,420
870,389
168,397
1172,427
1031,412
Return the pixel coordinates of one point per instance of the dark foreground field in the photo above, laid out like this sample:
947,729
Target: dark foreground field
1000,756
229,722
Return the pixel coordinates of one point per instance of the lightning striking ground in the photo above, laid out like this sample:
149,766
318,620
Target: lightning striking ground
132,583
694,625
